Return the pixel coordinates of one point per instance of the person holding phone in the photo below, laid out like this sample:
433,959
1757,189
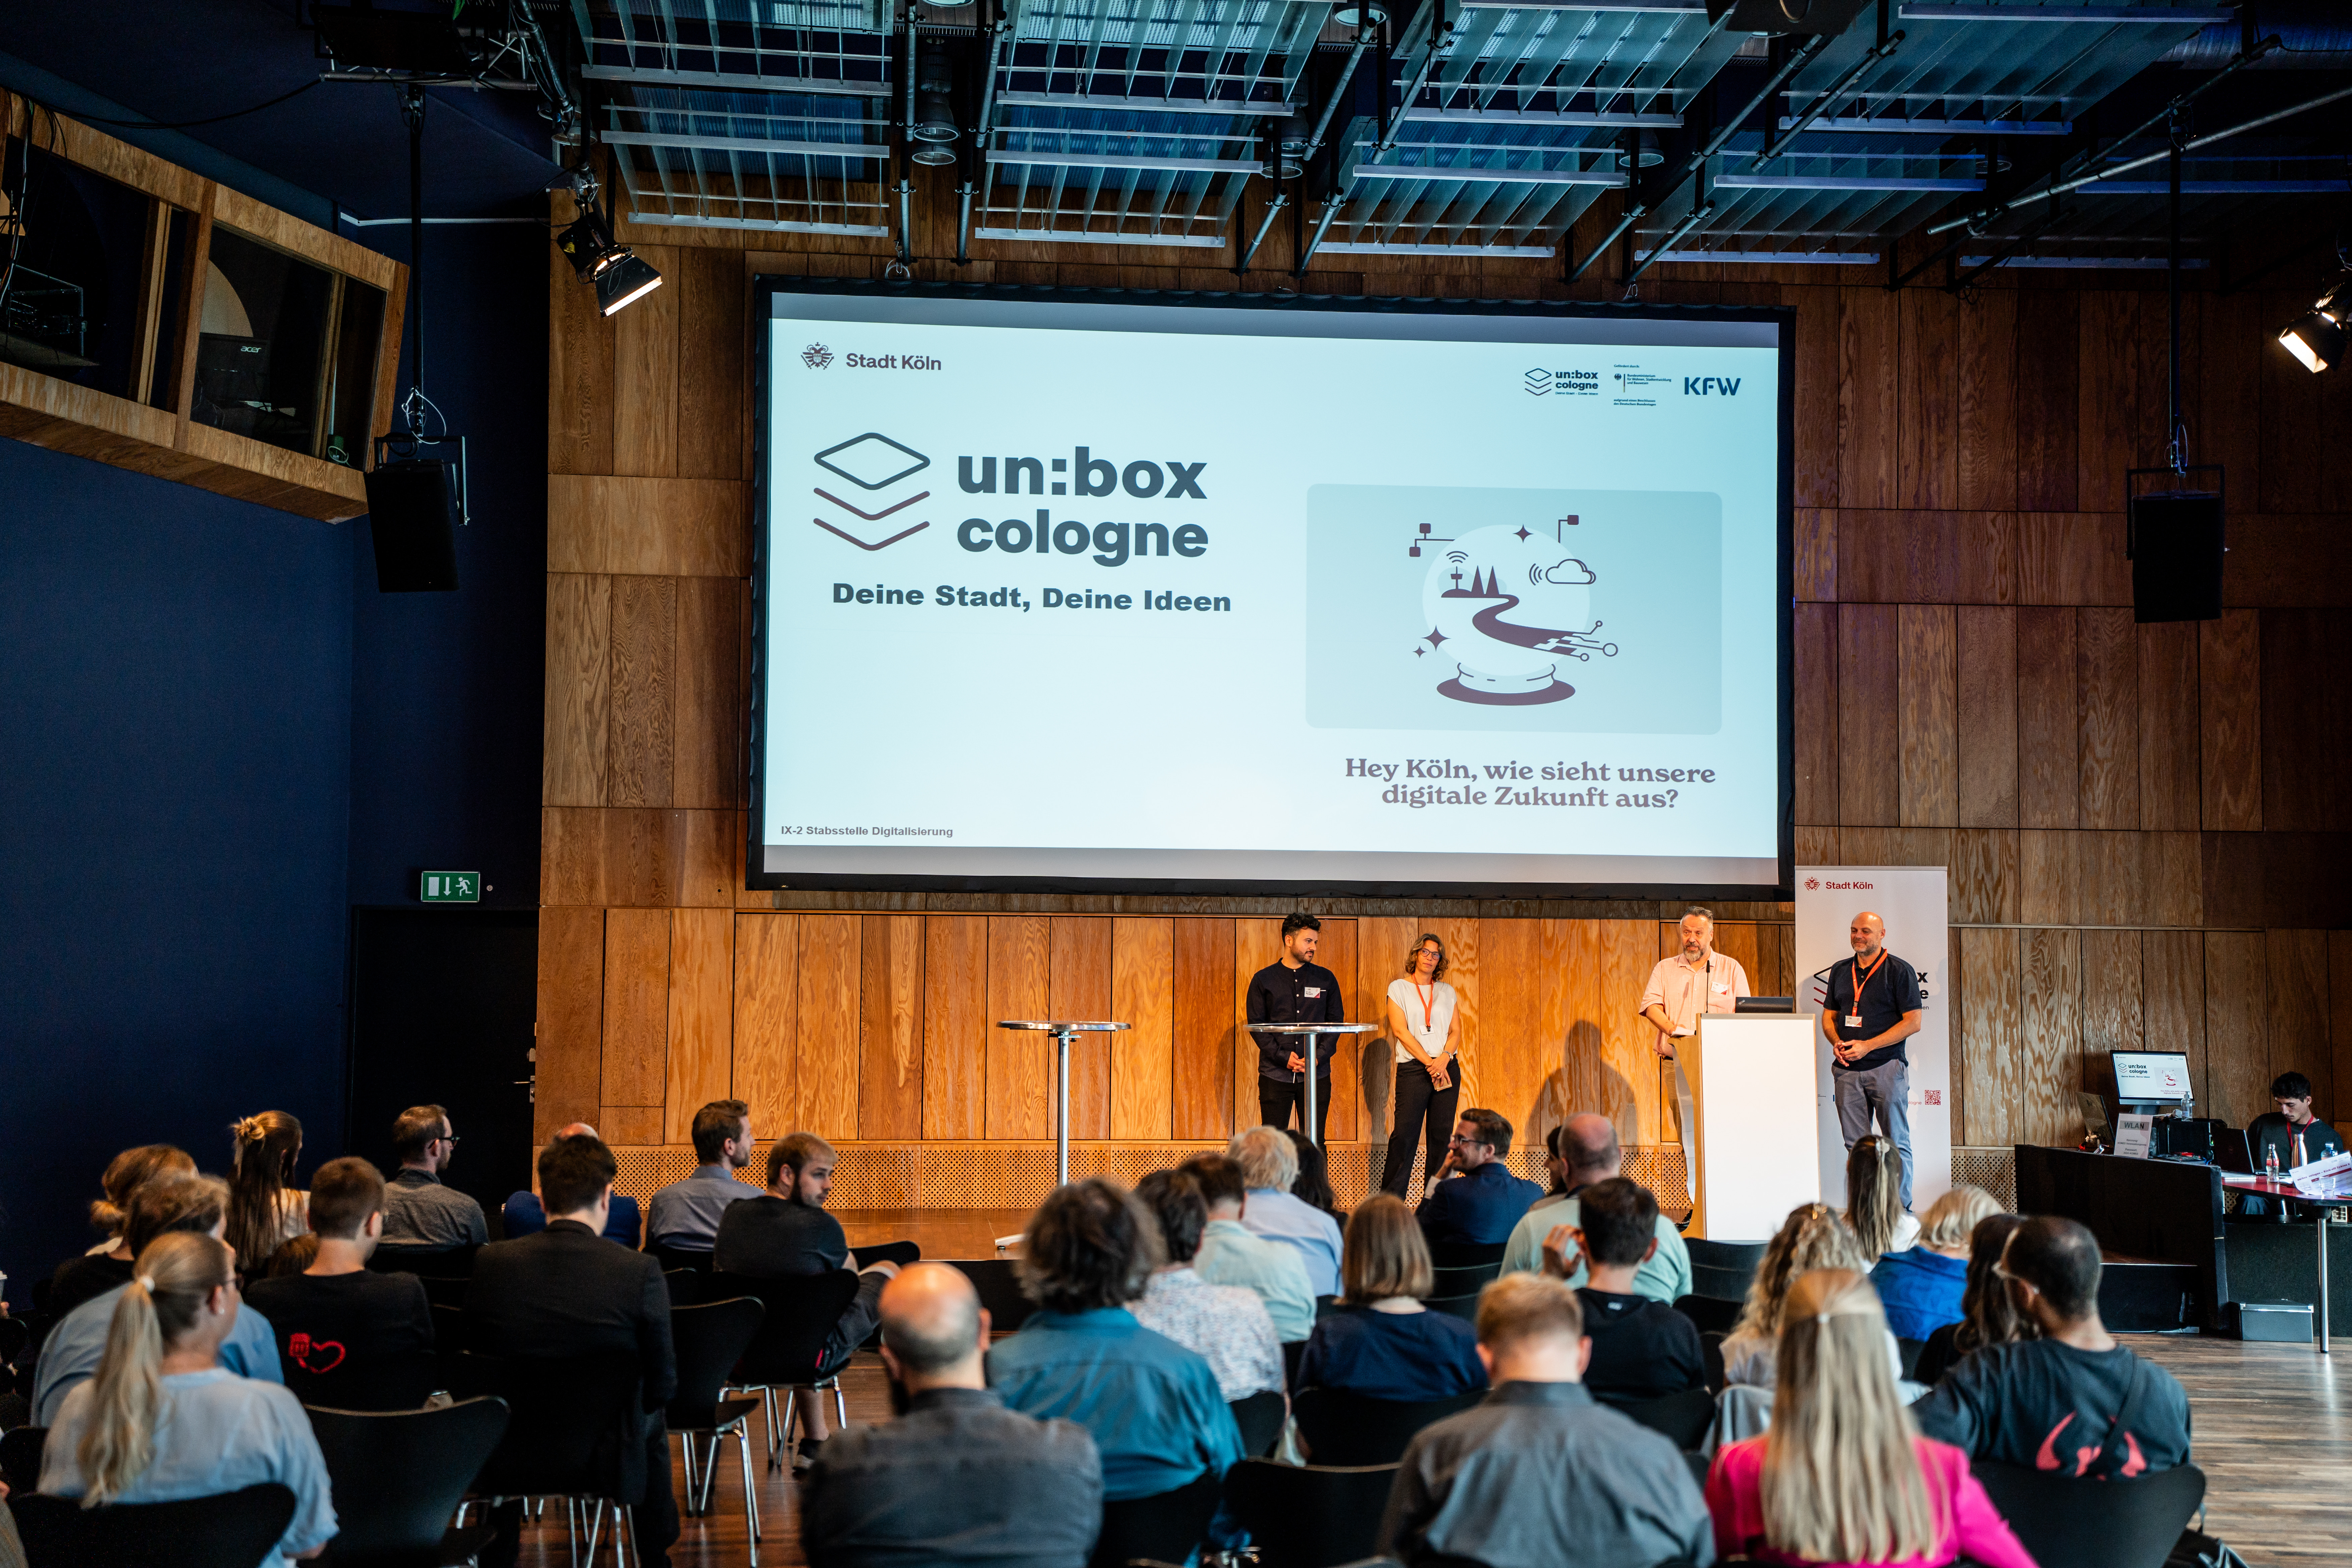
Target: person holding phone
1426,1026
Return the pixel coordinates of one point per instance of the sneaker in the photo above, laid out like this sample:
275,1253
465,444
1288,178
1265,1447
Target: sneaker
804,1453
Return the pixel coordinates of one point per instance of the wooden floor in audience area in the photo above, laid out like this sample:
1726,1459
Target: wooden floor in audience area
2273,1432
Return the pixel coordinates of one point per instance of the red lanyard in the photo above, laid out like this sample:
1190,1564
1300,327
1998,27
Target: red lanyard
1853,967
1428,1001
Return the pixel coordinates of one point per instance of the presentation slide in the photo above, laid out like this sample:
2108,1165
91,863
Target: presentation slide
1055,591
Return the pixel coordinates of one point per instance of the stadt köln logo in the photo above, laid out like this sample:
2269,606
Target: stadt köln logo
816,357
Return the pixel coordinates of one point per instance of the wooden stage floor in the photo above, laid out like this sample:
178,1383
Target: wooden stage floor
2272,1427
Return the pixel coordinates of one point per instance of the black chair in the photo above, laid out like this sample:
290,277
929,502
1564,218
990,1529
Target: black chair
789,1350
1710,1346
448,1329
424,1262
1350,1430
673,1258
998,1282
577,1430
709,1341
1466,1254
234,1530
1909,1350
1293,1352
16,1333
1311,1516
2114,1523
1325,1306
1709,1314
1168,1526
391,1382
398,1478
1683,1416
20,1458
443,1292
1723,1269
1463,1306
1466,1280
685,1286
1260,1417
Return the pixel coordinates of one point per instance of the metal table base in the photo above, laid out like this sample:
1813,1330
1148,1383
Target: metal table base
1063,1031
1310,1031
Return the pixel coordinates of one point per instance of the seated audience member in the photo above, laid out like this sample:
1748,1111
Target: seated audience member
685,1214
2057,1402
1642,1349
106,1266
2274,1132
167,1205
784,1232
956,1478
1231,1253
265,1208
163,1419
1812,1237
1921,1286
1584,1150
523,1214
292,1257
350,1340
1383,1342
1269,1166
1988,1314
1873,1197
420,1215
568,1292
1476,1200
1158,1419
1842,1477
1538,1475
1225,1325
1313,1185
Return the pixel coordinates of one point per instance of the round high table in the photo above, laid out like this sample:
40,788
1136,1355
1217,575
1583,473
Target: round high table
1310,1030
1064,1030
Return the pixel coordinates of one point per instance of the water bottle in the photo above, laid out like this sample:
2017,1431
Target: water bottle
2269,1160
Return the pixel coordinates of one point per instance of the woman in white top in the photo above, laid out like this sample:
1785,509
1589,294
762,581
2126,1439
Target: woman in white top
266,1210
1427,1028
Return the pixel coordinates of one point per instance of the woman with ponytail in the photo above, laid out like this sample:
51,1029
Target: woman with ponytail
163,1420
1843,1477
265,1210
108,1265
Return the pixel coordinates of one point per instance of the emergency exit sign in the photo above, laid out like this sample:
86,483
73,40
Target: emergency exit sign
449,887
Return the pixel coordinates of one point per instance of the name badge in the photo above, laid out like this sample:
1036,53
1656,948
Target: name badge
1312,991
1853,1020
1723,989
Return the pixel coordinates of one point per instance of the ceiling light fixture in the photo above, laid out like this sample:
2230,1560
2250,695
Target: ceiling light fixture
618,274
2319,338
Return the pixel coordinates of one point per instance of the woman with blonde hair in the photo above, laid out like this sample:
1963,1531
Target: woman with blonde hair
106,1266
163,1420
1812,1237
1382,1341
1843,1477
1873,1197
1921,1284
265,1210
1427,1031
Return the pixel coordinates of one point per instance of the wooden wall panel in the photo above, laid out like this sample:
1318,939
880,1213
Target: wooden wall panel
1142,1083
574,729
1380,946
2237,1026
701,1017
890,993
767,1003
2298,1011
1257,943
636,1007
2047,410
645,648
826,1038
1634,1072
2049,782
2114,1008
1020,1061
1815,568
1928,399
955,1031
2110,396
1204,971
2340,1023
2172,997
1990,1039
1867,330
2229,718
707,757
1078,985
2107,690
1869,664
1929,746
568,1054
2050,1034
1817,400
1339,954
1984,876
1985,720
1986,466
711,332
579,373
1815,703
645,373
2168,726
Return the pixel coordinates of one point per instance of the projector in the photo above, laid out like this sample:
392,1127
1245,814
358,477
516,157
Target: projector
1828,17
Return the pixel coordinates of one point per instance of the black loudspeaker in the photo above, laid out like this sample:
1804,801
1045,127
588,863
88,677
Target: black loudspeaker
1789,16
413,517
2175,541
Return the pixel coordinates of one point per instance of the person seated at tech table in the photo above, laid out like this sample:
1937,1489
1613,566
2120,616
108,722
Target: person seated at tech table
2274,1131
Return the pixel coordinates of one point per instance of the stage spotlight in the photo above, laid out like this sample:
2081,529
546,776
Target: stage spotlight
1361,16
619,275
2319,340
1645,149
935,123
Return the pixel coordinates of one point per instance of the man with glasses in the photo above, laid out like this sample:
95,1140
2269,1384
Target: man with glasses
420,1215
1481,1200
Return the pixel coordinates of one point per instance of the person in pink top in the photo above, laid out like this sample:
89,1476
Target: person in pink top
1843,1477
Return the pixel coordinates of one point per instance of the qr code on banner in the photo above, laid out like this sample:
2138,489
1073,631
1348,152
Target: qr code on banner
1934,1095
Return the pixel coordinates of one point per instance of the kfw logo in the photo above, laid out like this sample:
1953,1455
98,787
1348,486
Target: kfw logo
1708,385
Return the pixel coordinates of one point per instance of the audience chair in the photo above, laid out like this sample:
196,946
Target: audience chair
1709,1314
1910,1350
1260,1418
1710,1346
388,1382
1468,1280
443,1292
576,1431
16,1333
1352,1430
448,1329
1723,1269
398,1478
424,1262
234,1530
1467,1254
788,1353
1683,1416
673,1258
1293,1352
998,1282
1325,1306
2117,1524
1741,1411
711,1340
684,1286
1168,1526
1464,1307
20,1458
1310,1516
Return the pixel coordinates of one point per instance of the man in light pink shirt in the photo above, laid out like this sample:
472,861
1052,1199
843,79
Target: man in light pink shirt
1696,981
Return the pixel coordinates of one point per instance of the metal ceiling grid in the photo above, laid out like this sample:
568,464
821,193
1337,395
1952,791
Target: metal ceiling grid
1197,51
799,163
1116,176
804,45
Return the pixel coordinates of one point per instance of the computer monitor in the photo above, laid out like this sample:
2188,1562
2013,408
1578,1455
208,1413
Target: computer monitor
2151,1078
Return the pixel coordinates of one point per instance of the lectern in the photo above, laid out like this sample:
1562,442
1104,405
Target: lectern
1755,1115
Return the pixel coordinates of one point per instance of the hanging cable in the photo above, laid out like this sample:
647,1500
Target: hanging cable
208,120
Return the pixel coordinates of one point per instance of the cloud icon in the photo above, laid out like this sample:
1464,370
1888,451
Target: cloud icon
1572,572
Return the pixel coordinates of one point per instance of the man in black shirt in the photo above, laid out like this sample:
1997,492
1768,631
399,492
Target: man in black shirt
2074,1401
350,1340
2276,1131
1642,1349
1295,990
1872,1006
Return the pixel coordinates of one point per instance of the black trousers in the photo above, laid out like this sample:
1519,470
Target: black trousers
655,1517
1279,1104
1418,1100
